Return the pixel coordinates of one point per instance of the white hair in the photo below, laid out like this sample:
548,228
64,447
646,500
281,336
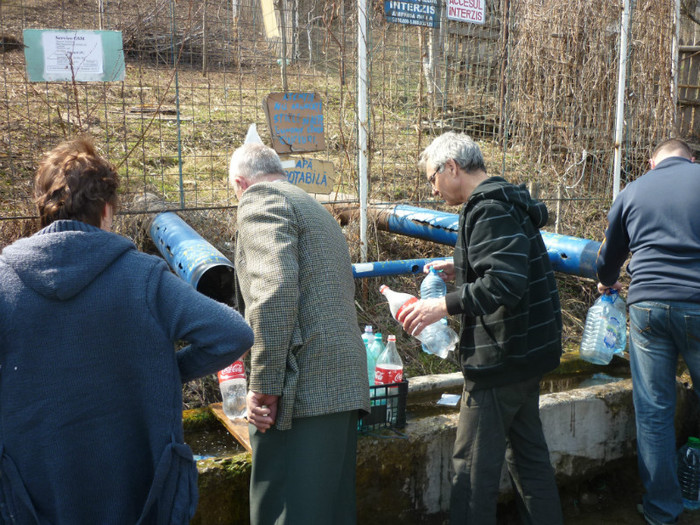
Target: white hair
253,161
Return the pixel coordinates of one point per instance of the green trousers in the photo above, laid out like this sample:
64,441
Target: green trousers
305,475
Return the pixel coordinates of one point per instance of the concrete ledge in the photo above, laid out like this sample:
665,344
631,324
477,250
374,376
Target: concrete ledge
405,477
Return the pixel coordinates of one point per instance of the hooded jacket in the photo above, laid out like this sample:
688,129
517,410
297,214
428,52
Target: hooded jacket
90,383
506,290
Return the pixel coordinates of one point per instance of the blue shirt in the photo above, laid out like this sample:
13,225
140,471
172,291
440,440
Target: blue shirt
657,218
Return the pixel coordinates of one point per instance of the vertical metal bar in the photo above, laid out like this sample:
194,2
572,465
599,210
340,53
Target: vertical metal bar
204,38
674,62
177,104
283,27
620,109
362,120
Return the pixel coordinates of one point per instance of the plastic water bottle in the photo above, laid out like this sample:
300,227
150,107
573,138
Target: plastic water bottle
440,338
605,331
689,473
233,390
389,370
437,337
368,336
374,350
389,367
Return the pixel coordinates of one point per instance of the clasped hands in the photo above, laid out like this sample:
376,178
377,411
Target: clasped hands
262,410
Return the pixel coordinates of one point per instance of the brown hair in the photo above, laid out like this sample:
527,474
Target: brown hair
674,146
74,182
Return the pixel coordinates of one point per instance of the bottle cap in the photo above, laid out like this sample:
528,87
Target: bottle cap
368,328
694,442
391,338
383,287
378,335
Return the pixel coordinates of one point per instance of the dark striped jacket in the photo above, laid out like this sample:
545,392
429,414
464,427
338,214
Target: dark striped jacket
506,291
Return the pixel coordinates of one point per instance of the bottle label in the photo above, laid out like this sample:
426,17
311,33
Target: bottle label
385,376
233,371
613,330
404,305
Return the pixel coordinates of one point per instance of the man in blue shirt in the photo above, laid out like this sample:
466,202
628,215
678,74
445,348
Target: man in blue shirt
657,219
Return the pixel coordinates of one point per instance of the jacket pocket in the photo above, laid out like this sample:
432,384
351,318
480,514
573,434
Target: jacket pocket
15,504
172,499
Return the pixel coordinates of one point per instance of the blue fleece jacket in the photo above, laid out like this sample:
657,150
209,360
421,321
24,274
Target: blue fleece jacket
90,383
657,218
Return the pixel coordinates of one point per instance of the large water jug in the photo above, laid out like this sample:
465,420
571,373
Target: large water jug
605,331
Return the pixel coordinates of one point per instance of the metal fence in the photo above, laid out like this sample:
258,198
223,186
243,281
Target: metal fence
535,84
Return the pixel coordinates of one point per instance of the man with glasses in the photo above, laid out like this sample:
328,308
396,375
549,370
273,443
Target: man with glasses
507,298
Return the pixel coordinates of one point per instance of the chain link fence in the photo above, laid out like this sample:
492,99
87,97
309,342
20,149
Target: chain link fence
535,84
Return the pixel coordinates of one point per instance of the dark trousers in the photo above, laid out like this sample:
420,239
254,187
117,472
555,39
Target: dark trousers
497,424
305,475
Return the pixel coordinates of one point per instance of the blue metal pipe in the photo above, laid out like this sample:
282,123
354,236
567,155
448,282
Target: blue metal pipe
381,268
205,268
193,258
430,225
570,255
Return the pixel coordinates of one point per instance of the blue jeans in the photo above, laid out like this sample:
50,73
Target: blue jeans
659,332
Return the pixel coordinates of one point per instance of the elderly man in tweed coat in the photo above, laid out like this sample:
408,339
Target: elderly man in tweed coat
308,376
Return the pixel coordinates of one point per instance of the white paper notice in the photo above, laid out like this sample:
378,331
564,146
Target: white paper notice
72,55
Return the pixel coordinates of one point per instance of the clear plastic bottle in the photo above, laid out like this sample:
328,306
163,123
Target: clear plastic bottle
605,331
368,336
389,370
374,350
441,338
689,473
233,390
437,338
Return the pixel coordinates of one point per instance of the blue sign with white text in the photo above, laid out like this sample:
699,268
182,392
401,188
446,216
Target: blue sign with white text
413,12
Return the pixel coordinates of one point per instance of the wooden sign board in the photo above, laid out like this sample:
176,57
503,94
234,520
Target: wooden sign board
313,176
295,121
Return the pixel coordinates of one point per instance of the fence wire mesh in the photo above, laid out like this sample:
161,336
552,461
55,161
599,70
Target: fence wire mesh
535,84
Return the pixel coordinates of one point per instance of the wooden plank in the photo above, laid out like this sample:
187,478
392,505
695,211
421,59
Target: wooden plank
238,427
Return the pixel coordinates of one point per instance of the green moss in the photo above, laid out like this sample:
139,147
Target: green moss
223,491
198,419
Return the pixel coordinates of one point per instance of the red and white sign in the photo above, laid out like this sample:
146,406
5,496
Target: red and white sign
473,11
234,371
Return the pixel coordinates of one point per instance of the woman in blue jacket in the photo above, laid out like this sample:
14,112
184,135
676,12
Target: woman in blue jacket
90,383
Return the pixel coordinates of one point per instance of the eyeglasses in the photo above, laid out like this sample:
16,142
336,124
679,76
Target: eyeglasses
431,179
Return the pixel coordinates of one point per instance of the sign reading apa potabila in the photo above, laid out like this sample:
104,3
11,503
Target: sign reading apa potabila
311,175
73,55
413,12
295,121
